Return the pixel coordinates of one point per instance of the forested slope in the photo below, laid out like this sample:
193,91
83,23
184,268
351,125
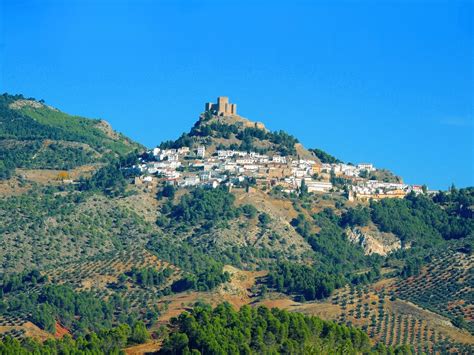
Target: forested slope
34,135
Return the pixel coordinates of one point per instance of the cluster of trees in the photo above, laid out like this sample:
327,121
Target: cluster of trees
224,330
334,253
46,156
80,312
324,157
168,191
215,129
54,156
253,132
336,259
339,181
285,143
14,155
21,281
359,216
427,224
412,267
203,271
419,220
185,140
202,280
207,206
457,202
149,276
7,165
108,179
17,125
29,239
306,282
112,179
105,341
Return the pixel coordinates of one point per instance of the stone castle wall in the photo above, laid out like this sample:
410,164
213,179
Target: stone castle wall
222,108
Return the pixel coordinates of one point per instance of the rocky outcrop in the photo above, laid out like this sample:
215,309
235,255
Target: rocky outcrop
19,104
373,241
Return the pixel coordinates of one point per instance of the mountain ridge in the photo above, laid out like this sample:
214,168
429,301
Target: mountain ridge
35,135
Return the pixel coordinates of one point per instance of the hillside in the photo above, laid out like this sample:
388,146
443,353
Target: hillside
132,238
236,132
34,135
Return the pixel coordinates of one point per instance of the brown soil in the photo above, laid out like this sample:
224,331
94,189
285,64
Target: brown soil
147,348
61,331
236,292
283,303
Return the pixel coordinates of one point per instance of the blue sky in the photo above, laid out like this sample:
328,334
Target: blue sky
385,82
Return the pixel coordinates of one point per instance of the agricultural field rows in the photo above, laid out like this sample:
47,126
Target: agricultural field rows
445,286
395,322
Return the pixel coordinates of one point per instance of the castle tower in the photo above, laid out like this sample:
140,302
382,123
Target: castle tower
222,103
222,108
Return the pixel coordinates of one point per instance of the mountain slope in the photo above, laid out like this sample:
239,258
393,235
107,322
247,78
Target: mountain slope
124,244
36,136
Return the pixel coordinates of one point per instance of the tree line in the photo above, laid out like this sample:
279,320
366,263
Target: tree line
259,330
105,341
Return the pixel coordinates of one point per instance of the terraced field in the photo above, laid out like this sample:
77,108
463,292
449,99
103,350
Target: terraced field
102,275
445,286
422,310
396,322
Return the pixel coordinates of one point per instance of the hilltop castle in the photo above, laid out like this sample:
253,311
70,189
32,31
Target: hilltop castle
222,108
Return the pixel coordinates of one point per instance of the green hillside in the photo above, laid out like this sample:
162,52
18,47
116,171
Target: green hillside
107,250
34,135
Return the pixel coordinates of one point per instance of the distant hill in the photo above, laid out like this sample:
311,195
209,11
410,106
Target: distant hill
37,136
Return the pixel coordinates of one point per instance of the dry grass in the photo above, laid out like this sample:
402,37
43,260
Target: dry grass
50,176
14,187
147,348
237,292
28,329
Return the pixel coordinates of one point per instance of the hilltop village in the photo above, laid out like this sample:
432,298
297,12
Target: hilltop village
187,167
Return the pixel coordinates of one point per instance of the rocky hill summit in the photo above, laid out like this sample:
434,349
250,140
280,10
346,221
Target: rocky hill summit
218,130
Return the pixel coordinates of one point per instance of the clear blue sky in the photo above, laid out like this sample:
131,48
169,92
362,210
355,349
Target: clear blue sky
385,82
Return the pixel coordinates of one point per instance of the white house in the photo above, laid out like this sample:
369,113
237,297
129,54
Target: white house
318,186
201,151
366,166
279,159
183,150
